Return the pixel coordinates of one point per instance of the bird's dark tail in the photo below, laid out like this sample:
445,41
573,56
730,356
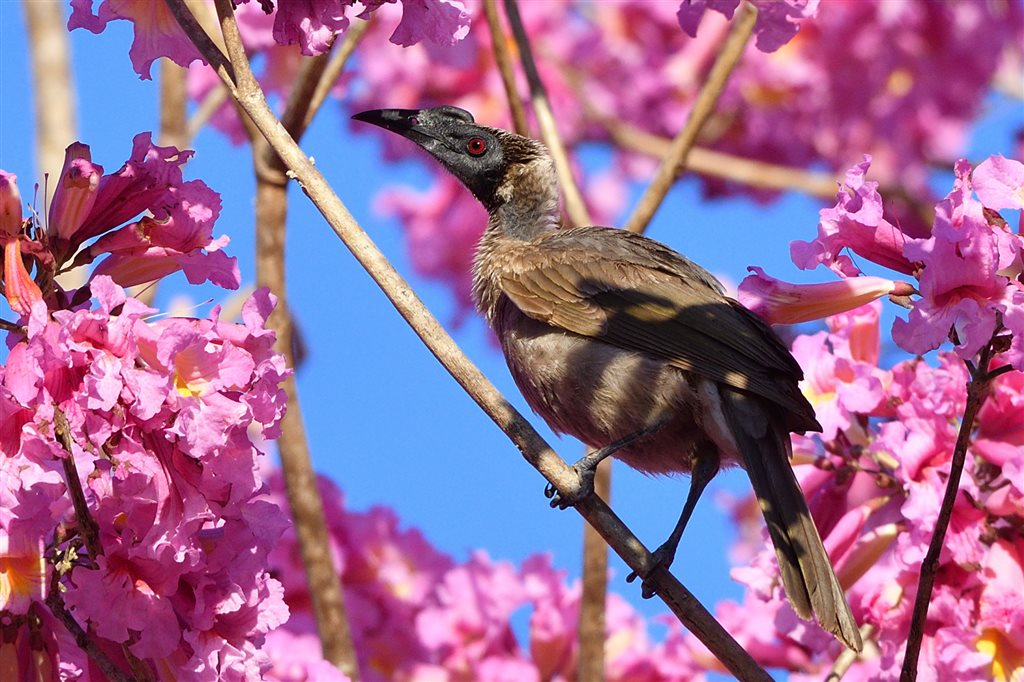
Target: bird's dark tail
807,575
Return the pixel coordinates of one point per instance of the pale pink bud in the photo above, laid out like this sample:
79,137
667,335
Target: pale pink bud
779,302
21,291
75,192
10,205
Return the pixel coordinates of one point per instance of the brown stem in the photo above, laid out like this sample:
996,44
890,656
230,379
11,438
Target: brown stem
86,524
977,392
574,204
703,106
353,36
173,105
591,627
503,60
717,164
533,447
82,638
848,656
53,91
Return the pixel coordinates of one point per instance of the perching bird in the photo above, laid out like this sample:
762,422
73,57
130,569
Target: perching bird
623,343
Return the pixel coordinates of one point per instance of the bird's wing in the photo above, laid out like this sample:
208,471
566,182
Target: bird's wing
664,306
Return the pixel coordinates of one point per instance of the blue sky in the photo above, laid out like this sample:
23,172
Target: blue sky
384,420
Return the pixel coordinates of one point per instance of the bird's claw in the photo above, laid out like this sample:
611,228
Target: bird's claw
583,490
661,558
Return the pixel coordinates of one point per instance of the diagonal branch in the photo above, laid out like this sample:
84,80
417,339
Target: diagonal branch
533,447
703,106
575,206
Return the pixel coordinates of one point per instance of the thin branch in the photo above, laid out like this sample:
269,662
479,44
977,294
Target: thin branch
82,638
977,392
575,206
206,109
173,105
717,164
590,629
703,106
533,447
353,36
503,60
86,524
12,327
848,656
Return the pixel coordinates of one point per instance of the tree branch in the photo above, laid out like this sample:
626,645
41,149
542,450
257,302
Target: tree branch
533,447
703,106
503,60
575,206
86,524
977,392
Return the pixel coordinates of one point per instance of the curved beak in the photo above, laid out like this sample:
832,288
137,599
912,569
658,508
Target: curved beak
401,121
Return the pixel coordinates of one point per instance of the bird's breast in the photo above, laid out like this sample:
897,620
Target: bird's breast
600,393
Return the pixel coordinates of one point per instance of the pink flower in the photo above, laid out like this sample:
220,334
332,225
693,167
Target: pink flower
779,302
75,193
777,22
21,291
961,287
10,205
23,571
855,222
999,182
157,33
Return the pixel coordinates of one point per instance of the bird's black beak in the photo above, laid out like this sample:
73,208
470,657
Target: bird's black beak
405,122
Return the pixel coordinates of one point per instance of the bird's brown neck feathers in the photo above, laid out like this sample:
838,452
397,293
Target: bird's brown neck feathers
526,207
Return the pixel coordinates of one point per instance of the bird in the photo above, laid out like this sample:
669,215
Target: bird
627,345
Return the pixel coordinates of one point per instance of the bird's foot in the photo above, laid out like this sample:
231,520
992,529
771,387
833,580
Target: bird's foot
585,488
661,558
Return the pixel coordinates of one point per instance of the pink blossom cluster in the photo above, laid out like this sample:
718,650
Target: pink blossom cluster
876,475
417,614
311,24
130,508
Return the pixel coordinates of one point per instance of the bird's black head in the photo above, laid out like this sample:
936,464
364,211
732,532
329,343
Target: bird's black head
477,155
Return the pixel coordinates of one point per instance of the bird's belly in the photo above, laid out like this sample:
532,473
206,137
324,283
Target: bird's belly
600,393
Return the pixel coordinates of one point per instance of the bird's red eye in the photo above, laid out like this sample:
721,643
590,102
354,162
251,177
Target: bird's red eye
476,146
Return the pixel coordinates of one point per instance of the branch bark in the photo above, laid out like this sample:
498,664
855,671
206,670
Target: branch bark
532,446
977,392
703,106
503,60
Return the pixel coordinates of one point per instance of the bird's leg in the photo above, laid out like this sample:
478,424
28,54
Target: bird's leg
703,469
586,468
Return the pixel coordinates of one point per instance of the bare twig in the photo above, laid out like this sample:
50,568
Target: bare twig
590,630
503,60
712,163
703,106
173,105
12,327
848,656
977,392
82,638
53,89
575,206
534,449
206,109
353,36
86,524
